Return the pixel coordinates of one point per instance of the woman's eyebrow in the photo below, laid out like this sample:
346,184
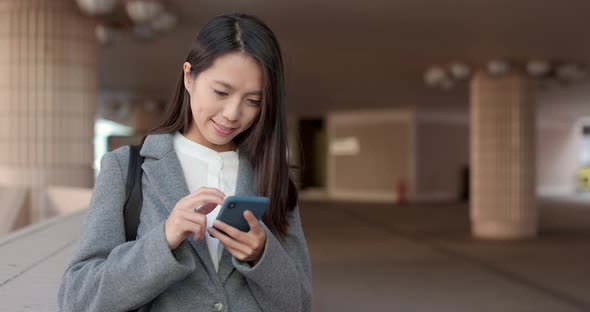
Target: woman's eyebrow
259,93
223,83
230,87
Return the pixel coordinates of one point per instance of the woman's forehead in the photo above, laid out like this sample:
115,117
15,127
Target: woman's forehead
236,71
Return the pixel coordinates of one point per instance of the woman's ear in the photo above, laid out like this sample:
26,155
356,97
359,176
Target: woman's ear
186,68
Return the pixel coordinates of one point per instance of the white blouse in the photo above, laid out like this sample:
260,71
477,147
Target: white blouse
204,167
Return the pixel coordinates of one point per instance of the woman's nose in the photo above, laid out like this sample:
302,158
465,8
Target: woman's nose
232,110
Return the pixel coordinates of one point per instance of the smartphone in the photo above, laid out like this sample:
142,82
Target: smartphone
232,211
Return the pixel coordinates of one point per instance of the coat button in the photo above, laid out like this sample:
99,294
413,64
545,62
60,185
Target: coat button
218,307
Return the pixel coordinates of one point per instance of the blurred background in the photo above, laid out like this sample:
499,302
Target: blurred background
443,147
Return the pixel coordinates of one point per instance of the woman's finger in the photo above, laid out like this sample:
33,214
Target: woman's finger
184,227
228,242
206,191
229,230
189,204
252,221
197,218
205,208
236,253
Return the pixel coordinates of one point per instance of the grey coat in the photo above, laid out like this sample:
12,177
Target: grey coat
109,274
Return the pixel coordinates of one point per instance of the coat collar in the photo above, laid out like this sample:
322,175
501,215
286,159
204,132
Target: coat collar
158,146
164,172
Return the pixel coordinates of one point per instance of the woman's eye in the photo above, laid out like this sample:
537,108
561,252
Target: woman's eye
221,93
255,102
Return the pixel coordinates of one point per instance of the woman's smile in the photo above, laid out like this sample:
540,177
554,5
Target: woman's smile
222,130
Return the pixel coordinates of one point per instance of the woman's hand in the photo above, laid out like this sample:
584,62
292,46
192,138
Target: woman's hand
184,220
247,247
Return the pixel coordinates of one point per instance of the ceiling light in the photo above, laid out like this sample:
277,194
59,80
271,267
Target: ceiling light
143,11
460,71
498,67
434,76
96,7
543,72
164,22
538,68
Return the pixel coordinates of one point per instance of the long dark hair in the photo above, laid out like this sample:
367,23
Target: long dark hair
265,142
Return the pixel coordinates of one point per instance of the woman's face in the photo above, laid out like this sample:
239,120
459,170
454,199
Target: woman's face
226,100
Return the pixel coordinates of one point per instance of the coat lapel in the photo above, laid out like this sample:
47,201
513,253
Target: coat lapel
245,186
164,173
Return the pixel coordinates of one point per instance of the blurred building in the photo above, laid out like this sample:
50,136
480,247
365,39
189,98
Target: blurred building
397,105
412,106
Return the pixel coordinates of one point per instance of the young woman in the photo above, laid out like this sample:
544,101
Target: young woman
224,134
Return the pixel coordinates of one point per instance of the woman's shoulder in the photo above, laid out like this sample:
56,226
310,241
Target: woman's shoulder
120,153
154,145
116,158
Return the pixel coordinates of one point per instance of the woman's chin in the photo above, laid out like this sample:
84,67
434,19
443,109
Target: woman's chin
220,142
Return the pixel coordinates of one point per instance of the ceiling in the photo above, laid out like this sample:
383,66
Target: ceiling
350,54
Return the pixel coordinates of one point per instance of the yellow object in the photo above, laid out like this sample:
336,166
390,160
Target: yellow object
584,178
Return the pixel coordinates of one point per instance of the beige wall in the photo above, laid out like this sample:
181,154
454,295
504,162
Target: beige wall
442,149
558,151
385,154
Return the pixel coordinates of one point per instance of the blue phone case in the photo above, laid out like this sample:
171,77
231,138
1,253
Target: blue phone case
232,211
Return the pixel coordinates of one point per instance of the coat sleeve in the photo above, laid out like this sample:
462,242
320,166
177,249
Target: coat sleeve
281,280
107,273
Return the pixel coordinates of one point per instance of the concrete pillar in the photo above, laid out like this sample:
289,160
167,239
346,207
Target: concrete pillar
502,157
48,81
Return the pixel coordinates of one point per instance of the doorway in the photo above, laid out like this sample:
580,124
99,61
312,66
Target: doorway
312,136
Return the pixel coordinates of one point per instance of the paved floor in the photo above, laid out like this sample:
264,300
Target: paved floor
377,257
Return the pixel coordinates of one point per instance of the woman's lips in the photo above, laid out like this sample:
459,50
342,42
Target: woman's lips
221,129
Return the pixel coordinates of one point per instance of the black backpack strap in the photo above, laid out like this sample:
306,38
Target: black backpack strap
133,193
